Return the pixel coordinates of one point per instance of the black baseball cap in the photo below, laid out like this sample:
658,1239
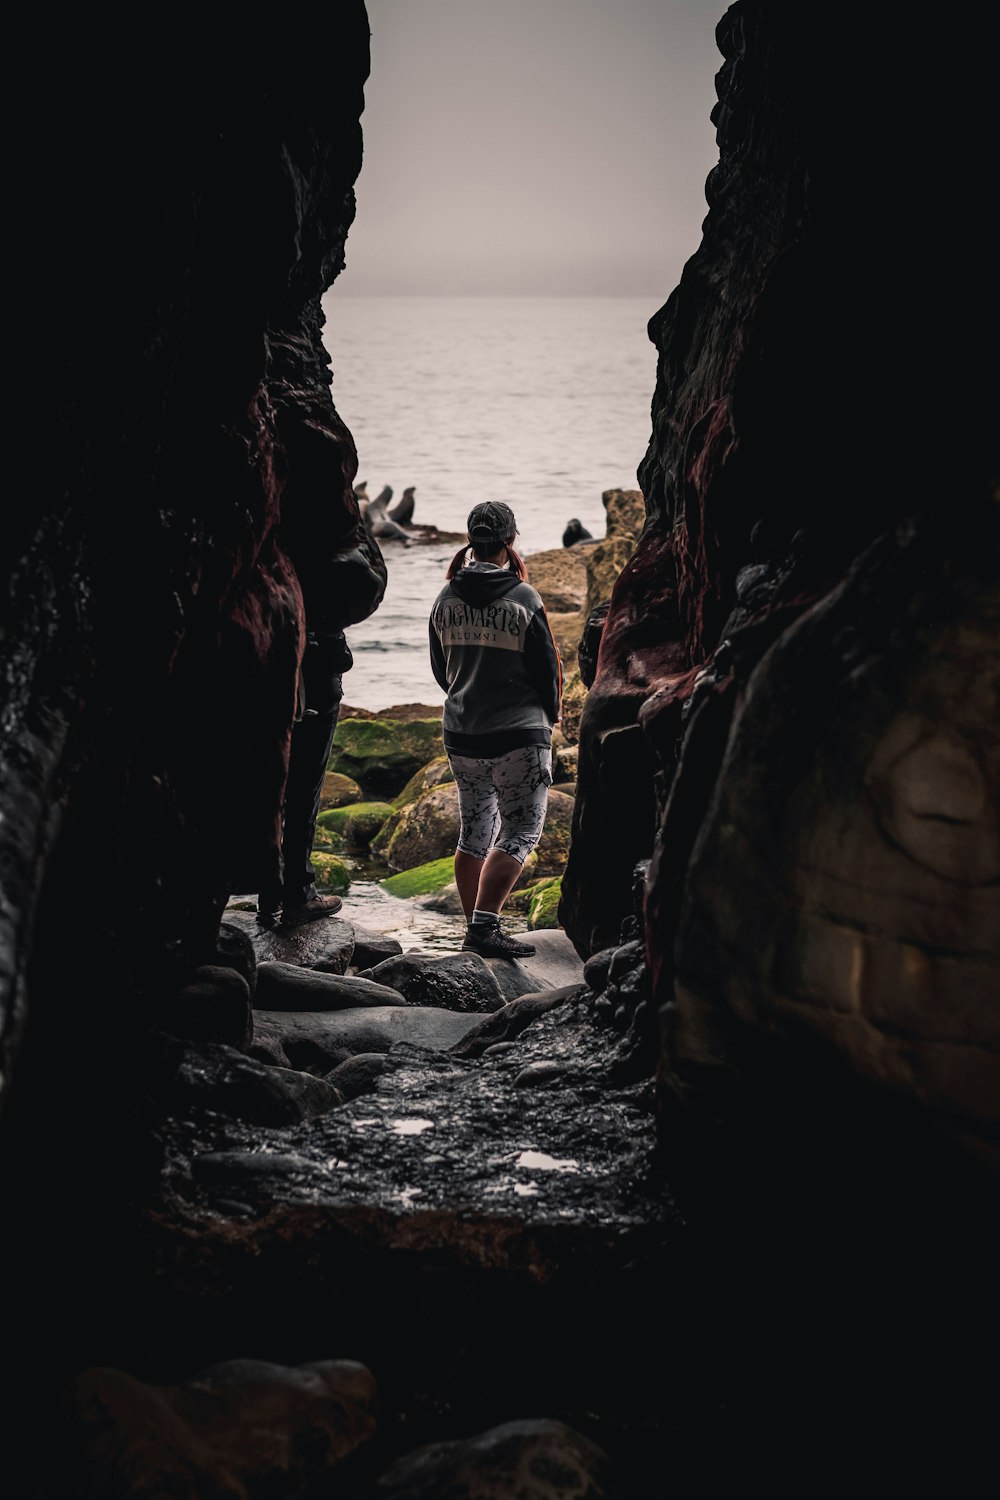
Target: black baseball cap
491,522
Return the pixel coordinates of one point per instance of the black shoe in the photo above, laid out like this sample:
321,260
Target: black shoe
267,918
309,911
486,939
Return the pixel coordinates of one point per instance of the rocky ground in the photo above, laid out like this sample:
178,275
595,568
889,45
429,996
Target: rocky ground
414,1208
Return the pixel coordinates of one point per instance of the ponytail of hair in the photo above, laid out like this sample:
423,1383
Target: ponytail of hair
517,564
457,562
516,561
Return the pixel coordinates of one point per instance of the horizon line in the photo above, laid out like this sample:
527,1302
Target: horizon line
472,295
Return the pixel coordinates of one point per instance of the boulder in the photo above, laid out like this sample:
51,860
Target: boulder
213,1006
357,1075
555,964
370,948
543,908
505,1025
552,849
355,823
330,942
381,755
625,512
434,773
426,830
446,900
434,877
244,1427
338,790
566,628
332,874
318,1041
189,1076
530,1458
560,576
564,757
458,981
282,986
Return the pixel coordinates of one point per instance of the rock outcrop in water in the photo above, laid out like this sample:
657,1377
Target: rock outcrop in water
729,1206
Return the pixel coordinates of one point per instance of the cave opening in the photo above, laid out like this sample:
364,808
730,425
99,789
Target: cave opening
728,1207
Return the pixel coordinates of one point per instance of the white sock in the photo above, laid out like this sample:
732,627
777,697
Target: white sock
480,917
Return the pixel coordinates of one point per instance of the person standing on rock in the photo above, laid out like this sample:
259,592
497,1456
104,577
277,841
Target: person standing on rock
342,577
290,897
493,654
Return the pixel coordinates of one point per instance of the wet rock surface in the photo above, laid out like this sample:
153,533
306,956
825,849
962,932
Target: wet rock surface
474,1207
285,986
315,1041
331,941
459,981
456,1134
439,1204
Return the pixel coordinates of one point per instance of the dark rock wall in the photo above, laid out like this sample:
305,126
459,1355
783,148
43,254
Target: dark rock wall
180,474
795,714
182,484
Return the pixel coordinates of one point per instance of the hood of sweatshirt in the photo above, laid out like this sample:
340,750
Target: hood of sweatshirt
482,583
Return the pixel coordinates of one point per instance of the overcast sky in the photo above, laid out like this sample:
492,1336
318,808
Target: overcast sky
534,146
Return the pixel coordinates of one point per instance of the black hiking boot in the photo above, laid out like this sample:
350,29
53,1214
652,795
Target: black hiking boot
486,939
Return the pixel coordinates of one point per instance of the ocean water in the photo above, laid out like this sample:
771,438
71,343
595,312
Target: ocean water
540,401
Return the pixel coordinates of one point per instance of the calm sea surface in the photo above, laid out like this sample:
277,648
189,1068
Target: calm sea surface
542,402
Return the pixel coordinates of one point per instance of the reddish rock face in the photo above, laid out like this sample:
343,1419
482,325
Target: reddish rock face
182,478
769,725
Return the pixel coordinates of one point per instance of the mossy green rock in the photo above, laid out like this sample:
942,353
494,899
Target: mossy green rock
543,907
426,830
338,791
552,848
421,880
436,772
332,873
356,824
381,755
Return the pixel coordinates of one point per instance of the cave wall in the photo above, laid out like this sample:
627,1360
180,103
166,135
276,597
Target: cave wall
793,727
805,634
794,723
180,473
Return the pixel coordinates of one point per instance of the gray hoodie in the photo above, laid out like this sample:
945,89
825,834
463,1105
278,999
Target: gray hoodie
493,653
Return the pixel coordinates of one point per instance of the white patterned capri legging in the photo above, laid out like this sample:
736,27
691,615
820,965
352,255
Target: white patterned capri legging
503,800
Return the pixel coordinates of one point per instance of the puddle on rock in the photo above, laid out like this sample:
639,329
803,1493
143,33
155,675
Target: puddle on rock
412,1127
538,1161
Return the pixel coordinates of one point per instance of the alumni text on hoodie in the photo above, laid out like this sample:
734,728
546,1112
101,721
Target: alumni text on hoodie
493,654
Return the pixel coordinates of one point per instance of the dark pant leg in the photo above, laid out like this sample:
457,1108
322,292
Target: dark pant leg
312,739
